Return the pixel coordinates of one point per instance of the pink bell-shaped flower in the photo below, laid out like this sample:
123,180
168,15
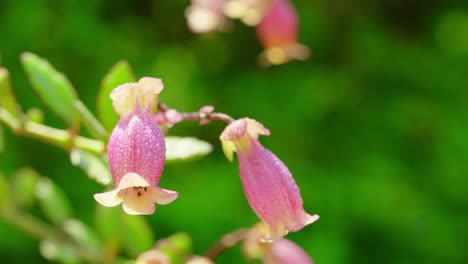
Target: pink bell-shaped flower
136,150
278,33
267,182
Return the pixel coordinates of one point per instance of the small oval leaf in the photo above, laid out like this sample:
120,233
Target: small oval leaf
25,182
7,98
53,201
119,74
185,148
54,89
93,165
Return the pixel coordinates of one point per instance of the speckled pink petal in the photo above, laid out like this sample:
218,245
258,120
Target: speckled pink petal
137,145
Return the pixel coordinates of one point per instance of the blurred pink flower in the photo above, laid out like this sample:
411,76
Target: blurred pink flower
278,33
267,182
284,251
136,150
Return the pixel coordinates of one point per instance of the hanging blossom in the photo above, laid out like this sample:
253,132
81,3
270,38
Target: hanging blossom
136,150
205,15
278,33
268,185
248,11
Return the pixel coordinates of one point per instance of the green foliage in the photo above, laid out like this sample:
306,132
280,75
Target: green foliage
90,122
119,74
52,87
24,183
6,200
178,247
7,98
137,234
185,148
53,201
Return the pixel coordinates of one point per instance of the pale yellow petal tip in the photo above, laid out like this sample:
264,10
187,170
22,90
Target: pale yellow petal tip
150,85
255,128
140,207
145,93
228,149
108,199
282,55
163,196
311,218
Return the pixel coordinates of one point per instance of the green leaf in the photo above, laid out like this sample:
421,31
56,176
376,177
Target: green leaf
6,202
59,251
25,182
185,148
138,234
90,122
93,165
2,143
53,201
7,98
178,247
53,87
81,234
119,74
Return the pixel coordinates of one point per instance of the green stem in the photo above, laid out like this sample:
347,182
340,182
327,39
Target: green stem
28,224
58,137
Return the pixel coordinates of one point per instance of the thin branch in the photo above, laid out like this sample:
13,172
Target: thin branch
227,241
58,137
201,117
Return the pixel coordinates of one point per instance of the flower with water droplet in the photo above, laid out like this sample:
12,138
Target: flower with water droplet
136,150
267,182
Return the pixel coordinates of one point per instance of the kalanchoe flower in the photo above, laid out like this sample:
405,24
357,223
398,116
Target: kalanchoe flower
205,15
278,33
267,182
136,150
248,11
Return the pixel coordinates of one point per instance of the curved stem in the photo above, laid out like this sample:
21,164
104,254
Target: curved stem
227,241
201,117
58,137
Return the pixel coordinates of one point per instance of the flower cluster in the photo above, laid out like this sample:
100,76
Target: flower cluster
136,153
276,24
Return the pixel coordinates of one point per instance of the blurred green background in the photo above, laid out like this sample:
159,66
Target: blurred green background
374,126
